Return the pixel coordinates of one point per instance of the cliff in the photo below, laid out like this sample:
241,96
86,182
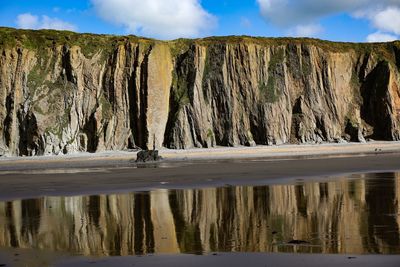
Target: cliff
62,92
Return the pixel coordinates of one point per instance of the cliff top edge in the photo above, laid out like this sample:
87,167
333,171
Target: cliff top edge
7,34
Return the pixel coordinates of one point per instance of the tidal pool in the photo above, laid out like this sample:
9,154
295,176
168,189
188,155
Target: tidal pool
354,214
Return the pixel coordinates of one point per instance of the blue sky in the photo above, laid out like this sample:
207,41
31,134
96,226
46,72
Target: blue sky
339,20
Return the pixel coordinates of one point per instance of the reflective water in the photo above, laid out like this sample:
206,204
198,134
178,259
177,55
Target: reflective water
355,214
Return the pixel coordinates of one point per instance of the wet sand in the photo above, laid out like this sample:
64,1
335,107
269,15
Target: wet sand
240,260
20,257
22,178
86,174
125,158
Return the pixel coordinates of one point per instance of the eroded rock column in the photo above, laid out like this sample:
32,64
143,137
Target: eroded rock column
158,84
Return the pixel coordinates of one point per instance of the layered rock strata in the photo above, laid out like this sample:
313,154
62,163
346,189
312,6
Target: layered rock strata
62,92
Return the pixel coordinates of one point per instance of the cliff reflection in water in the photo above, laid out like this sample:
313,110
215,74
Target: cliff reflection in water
357,215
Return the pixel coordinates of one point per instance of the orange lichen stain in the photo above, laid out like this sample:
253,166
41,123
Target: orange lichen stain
395,92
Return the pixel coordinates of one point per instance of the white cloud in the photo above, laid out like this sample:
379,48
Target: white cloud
157,18
388,20
29,21
55,23
377,37
287,13
383,15
309,30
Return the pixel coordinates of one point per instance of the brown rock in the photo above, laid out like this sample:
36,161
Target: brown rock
62,92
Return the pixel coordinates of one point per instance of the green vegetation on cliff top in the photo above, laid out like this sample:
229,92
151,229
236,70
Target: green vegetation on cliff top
37,39
41,39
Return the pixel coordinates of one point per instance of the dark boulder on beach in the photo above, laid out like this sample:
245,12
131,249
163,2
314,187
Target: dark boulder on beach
148,156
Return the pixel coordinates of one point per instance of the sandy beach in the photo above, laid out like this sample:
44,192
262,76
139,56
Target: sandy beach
117,172
121,158
109,172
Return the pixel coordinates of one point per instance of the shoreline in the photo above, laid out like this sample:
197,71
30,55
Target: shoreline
278,152
112,173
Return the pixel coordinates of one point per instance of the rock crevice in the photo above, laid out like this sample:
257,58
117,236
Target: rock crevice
69,92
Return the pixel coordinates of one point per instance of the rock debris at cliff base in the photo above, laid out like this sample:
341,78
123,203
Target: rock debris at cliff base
62,92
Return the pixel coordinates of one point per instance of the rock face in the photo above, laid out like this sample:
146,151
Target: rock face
62,92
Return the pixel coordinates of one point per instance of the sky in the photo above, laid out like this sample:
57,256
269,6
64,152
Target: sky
335,20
